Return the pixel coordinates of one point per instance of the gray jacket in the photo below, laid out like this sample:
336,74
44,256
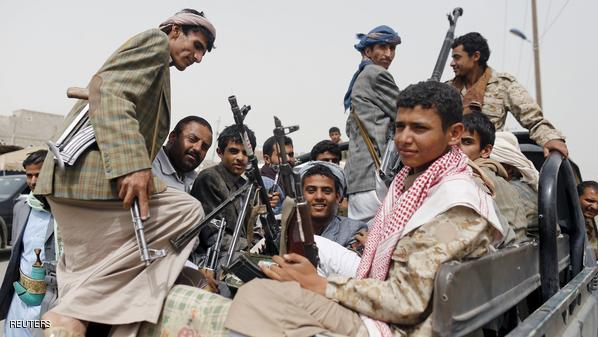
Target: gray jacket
374,100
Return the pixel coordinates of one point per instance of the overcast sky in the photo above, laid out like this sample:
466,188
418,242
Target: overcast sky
294,59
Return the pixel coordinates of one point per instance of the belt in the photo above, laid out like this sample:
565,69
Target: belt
33,286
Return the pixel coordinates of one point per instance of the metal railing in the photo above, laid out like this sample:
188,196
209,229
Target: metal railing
557,183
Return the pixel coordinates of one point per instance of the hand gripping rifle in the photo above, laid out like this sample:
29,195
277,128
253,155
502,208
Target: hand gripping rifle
300,233
147,254
254,175
390,164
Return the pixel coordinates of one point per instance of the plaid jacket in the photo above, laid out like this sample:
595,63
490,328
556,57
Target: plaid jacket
129,112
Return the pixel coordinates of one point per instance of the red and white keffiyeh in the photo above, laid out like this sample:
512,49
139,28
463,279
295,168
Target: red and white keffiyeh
396,211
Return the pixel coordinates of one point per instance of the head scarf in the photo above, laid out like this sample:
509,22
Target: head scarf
378,35
334,168
396,211
186,18
506,150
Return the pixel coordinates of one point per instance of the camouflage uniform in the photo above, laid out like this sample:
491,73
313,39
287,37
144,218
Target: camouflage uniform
506,196
529,199
402,299
504,94
267,307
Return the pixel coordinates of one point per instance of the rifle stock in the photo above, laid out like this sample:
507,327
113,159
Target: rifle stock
300,233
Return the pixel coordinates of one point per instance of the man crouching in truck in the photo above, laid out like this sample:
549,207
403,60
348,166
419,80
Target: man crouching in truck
433,213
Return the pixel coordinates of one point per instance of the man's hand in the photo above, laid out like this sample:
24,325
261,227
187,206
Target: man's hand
274,199
558,145
362,236
294,267
138,185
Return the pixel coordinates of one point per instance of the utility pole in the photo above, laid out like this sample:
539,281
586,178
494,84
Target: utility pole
536,46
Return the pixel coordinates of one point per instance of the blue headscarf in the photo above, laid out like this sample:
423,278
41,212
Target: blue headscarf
378,35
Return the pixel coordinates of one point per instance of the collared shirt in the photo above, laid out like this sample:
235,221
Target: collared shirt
163,169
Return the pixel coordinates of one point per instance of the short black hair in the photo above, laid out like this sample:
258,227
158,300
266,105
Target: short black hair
443,97
194,28
268,147
326,145
473,42
478,122
232,133
586,184
35,158
319,169
181,124
334,129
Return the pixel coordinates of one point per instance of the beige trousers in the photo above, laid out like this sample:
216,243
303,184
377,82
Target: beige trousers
100,275
268,308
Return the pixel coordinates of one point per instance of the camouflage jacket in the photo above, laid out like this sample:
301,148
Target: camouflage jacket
506,196
504,94
402,299
529,198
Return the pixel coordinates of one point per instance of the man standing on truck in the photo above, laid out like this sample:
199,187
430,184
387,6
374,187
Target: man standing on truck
371,99
498,93
100,275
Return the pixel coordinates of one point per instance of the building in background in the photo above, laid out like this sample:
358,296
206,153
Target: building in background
27,128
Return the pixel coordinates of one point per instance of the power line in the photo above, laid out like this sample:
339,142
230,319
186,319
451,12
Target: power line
547,15
504,38
555,19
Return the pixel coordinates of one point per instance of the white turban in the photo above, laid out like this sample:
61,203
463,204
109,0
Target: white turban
334,169
506,150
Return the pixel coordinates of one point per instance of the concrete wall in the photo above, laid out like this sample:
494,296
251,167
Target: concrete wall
29,128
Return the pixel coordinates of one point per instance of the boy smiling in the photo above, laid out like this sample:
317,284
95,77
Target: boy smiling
433,213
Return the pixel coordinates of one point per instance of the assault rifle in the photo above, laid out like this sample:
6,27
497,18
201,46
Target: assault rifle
391,163
254,183
300,233
253,173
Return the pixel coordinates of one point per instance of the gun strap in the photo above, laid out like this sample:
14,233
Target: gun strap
366,138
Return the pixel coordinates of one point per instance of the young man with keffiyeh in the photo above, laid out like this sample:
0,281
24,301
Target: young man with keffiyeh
433,213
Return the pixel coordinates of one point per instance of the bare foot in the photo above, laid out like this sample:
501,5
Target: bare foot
64,326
